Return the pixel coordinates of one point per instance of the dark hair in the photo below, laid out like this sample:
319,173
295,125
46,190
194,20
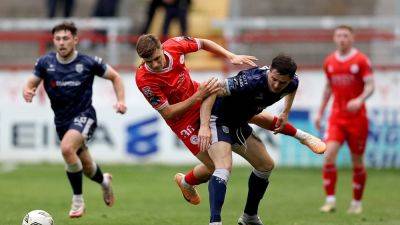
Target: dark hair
146,45
284,65
67,26
344,26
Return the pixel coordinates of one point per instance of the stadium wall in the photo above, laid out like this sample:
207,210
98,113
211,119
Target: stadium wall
27,132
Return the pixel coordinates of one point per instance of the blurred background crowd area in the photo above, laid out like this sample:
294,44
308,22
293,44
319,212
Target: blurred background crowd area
262,28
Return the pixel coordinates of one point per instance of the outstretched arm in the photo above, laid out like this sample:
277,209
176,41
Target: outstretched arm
119,90
30,87
217,49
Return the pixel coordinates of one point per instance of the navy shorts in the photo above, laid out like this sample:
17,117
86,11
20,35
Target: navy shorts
85,123
229,134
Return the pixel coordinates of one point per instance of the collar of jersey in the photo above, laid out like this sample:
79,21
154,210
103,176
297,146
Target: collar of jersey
343,58
166,69
68,61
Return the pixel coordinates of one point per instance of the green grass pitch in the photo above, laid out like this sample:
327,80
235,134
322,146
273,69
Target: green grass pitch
147,195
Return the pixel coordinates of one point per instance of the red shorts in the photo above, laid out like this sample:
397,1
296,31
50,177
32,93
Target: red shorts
188,134
354,131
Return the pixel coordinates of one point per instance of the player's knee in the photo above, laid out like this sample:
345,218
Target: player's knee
266,166
67,150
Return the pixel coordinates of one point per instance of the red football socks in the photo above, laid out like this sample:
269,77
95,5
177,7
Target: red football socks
359,178
329,175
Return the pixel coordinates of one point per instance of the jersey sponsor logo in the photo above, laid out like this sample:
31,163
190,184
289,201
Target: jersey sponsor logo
98,59
79,68
70,83
354,68
342,79
194,139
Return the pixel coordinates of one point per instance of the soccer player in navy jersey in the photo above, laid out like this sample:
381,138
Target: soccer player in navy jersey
225,126
67,77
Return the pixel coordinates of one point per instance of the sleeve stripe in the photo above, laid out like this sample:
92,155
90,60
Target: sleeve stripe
162,106
198,43
105,71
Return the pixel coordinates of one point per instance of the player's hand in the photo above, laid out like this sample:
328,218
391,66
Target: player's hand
317,122
204,138
243,59
354,104
207,88
28,94
281,122
120,107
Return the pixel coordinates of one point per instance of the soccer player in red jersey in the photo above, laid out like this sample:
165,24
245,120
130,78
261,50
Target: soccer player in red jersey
165,82
350,82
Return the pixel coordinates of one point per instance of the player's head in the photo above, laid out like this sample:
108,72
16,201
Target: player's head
65,38
150,50
343,36
282,71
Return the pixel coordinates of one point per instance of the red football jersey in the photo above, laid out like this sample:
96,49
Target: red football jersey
173,84
346,75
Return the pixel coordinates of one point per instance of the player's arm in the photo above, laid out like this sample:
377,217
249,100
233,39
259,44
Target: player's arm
217,49
119,90
284,115
205,89
356,103
324,102
30,87
205,116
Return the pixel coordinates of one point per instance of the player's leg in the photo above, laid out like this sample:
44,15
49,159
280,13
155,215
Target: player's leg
199,174
70,143
221,155
92,170
256,154
269,122
357,143
329,175
334,138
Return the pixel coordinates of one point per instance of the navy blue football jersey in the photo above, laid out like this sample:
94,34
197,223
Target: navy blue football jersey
69,85
249,94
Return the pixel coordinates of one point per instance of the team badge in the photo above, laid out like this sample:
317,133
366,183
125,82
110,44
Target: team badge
147,91
354,68
225,129
79,68
194,140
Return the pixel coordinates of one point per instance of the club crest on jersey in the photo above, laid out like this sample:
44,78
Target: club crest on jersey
225,129
194,139
79,68
354,68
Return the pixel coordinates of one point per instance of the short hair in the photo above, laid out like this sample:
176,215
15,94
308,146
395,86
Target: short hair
284,65
67,26
147,44
346,27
